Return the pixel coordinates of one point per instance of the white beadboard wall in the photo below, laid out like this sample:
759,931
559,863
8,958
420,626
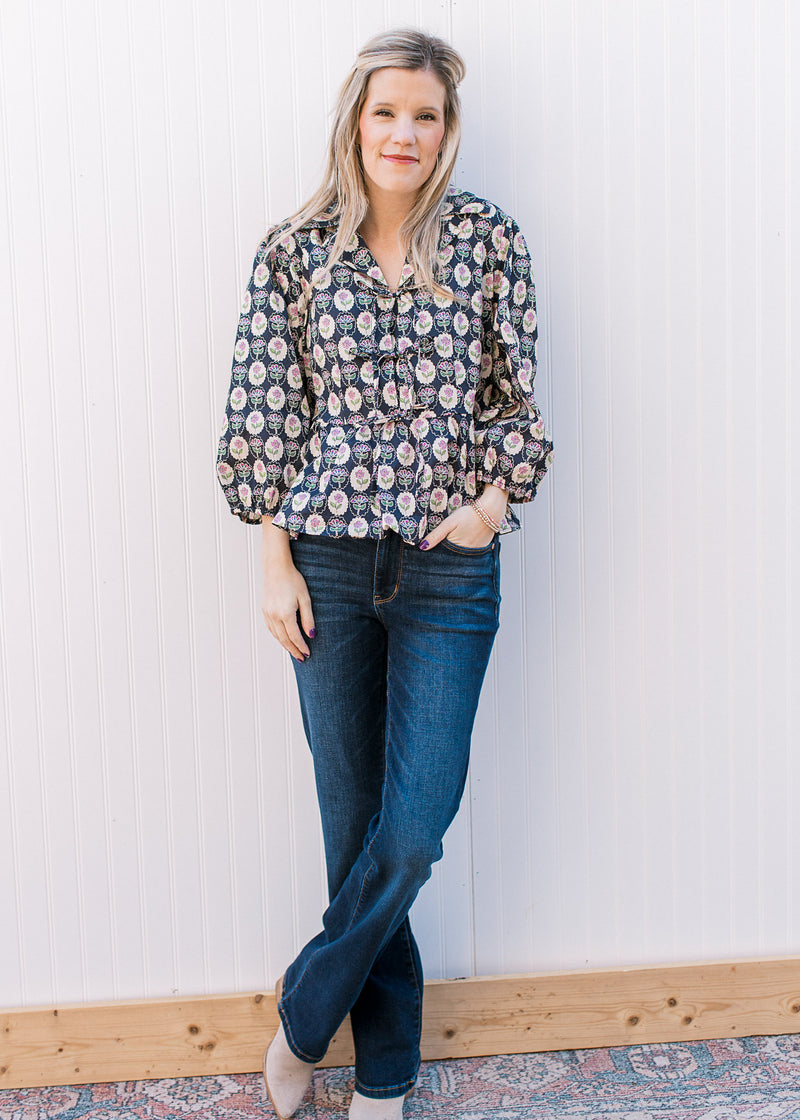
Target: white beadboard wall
635,765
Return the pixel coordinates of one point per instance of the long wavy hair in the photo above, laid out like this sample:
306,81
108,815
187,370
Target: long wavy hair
343,196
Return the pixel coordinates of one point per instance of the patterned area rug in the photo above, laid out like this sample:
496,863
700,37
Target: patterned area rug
729,1079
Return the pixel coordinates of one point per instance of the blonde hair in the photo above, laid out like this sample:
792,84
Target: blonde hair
343,192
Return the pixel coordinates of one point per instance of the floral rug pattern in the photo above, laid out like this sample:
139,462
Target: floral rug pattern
727,1079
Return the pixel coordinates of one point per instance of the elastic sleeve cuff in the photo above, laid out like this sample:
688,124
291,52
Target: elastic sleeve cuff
516,493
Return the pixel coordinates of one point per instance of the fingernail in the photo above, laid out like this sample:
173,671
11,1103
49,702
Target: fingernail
312,633
424,545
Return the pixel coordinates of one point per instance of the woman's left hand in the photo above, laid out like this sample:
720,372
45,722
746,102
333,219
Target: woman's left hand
464,526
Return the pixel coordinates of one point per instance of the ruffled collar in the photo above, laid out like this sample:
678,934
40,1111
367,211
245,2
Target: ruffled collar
459,206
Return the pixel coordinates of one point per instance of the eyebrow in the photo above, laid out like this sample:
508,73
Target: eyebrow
390,105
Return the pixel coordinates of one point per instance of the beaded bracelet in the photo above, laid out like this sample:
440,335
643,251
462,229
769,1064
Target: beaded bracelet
485,516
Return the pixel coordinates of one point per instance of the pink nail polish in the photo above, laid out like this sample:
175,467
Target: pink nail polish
312,633
424,545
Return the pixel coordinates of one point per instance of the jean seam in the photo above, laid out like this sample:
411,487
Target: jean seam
371,868
414,973
369,846
284,1014
380,602
403,1086
298,1051
415,976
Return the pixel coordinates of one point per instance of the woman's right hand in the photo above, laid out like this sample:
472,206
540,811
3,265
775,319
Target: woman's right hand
285,593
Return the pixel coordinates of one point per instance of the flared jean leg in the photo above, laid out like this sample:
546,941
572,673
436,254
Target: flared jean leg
348,749
387,1017
401,658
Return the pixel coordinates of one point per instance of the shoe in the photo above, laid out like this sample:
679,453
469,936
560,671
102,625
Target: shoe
286,1076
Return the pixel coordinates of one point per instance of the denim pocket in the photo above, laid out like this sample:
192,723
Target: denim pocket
462,550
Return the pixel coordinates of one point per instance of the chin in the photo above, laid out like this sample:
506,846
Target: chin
398,179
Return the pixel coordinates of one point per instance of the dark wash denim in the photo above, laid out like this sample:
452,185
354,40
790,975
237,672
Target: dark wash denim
388,697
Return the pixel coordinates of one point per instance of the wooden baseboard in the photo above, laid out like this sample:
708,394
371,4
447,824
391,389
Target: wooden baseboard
78,1044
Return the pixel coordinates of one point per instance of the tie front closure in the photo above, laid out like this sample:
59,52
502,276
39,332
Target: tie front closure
399,353
408,434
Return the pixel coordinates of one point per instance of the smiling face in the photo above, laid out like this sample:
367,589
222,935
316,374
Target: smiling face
400,129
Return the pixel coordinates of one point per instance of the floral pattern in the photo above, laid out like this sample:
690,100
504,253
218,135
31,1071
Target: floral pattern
357,409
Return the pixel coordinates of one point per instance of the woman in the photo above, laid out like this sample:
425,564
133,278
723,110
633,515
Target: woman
381,415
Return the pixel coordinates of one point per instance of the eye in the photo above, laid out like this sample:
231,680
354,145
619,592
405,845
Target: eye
382,112
427,117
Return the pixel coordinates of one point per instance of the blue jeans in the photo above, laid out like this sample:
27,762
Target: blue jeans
388,697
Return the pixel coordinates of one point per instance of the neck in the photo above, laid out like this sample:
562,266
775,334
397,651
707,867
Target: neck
386,214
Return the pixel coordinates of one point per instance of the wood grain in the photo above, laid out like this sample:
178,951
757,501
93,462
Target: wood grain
463,1018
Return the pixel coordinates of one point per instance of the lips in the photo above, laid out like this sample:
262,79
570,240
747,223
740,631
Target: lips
401,159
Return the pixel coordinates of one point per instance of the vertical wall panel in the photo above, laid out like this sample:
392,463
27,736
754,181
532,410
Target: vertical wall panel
772,463
791,301
16,665
683,323
633,769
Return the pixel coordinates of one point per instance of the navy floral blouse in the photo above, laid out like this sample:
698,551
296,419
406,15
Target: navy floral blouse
377,410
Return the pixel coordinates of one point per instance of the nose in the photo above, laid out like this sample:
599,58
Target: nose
404,131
